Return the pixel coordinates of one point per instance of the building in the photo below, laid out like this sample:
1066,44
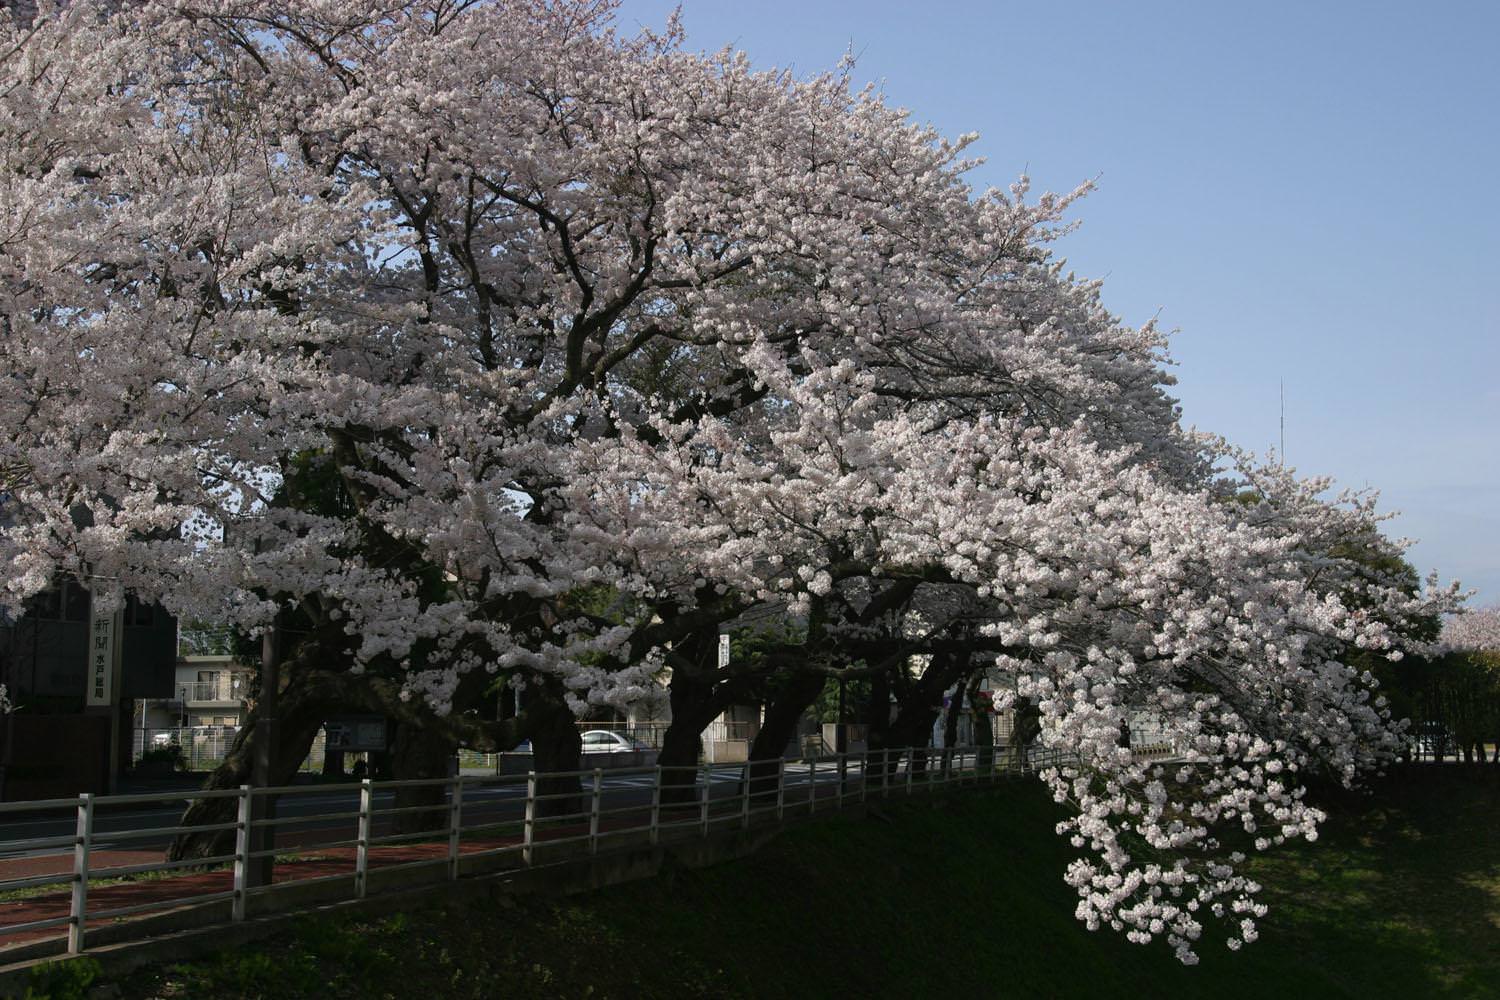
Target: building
73,679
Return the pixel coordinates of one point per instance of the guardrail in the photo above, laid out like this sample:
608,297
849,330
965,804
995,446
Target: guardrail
344,837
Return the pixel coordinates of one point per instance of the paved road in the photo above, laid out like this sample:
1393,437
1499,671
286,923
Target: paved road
144,827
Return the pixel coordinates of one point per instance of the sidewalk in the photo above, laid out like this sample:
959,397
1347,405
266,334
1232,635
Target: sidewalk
173,891
184,889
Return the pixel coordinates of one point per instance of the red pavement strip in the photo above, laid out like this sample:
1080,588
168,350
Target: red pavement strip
182,889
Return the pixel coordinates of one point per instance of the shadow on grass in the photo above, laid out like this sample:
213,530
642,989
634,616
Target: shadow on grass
955,898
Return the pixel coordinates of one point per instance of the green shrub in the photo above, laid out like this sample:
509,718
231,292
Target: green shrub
68,979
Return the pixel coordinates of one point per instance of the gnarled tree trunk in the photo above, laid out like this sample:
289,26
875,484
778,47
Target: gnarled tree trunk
419,753
556,746
298,725
783,711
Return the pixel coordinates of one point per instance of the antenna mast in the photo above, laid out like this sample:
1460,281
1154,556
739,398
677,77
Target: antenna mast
1282,448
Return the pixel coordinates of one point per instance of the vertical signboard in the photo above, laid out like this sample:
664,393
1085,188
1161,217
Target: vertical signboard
104,640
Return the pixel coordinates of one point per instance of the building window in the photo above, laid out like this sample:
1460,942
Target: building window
66,603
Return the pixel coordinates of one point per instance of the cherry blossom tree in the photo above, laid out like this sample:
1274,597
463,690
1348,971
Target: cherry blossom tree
455,342
1462,685
1476,630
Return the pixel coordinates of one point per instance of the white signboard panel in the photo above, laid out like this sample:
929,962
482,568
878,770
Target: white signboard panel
723,651
103,638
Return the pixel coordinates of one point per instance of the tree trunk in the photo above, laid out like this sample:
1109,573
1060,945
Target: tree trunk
920,703
914,731
696,701
984,732
299,725
1027,724
556,746
420,754
950,724
681,747
878,735
783,712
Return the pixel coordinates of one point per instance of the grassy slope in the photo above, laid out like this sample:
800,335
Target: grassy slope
1401,898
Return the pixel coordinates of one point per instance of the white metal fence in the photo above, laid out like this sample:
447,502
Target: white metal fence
346,838
202,748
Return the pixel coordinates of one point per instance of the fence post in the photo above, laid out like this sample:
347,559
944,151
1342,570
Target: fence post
656,808
780,789
864,774
885,772
703,799
745,797
362,838
528,835
843,777
594,811
81,845
812,785
455,824
241,852
911,760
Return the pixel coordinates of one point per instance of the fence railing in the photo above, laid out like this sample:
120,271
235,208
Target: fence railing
212,691
203,748
79,868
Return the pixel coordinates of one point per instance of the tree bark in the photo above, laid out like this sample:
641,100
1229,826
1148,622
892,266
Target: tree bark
984,732
299,724
696,699
308,698
920,703
417,753
556,746
878,737
783,711
1024,730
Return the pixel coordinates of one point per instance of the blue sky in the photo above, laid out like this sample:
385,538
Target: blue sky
1307,193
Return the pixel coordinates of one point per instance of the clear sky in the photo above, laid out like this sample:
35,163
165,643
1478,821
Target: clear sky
1305,192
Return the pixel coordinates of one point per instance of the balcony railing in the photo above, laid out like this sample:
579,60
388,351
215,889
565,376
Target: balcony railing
211,691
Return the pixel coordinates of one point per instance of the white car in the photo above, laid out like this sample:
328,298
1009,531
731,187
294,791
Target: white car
604,741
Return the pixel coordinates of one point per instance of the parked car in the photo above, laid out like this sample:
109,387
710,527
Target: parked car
604,741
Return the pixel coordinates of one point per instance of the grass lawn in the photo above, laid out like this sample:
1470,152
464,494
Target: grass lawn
963,898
